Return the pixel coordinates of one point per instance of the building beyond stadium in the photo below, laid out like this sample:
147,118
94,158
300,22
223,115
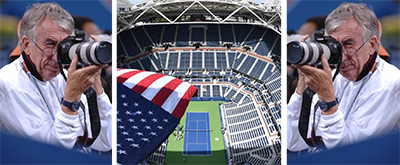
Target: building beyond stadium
229,49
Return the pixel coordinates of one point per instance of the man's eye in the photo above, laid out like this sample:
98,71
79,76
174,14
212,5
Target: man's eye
50,45
348,45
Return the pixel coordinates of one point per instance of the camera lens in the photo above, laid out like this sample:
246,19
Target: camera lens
302,53
295,52
96,53
104,51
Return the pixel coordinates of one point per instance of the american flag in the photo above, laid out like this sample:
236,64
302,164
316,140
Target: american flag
149,107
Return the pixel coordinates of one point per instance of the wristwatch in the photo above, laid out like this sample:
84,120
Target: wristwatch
74,106
327,105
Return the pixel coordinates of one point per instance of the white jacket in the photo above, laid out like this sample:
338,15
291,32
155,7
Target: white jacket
24,111
375,111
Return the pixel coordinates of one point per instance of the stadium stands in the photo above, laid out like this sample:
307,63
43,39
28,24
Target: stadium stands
247,79
158,156
241,34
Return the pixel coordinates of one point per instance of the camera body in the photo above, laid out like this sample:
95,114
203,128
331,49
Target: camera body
309,53
89,52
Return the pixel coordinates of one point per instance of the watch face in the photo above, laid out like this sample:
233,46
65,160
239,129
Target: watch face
323,106
75,105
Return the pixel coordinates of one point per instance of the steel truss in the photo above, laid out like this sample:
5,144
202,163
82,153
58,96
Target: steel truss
199,12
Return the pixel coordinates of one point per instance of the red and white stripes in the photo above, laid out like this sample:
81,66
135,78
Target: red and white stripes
170,93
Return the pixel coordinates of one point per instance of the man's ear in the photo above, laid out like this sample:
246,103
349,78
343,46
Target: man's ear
25,43
374,45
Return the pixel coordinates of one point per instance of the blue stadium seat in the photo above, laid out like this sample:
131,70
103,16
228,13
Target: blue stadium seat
197,34
169,34
155,33
226,33
183,38
197,60
184,60
173,60
128,42
241,32
212,35
209,60
141,36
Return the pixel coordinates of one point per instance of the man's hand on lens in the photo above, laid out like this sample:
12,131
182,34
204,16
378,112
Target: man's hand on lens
79,80
319,80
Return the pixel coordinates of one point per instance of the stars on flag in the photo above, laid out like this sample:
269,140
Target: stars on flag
135,145
128,112
129,139
122,152
143,123
145,139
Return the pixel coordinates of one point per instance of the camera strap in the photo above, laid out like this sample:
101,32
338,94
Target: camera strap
368,67
314,141
91,97
29,66
85,141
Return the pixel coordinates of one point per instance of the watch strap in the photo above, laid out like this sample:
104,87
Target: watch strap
328,105
74,106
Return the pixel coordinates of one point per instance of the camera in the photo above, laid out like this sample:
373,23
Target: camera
303,53
89,52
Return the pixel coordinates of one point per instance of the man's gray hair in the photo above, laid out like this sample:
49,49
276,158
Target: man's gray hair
361,13
36,14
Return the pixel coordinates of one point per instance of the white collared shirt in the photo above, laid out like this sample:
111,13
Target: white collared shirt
365,110
36,113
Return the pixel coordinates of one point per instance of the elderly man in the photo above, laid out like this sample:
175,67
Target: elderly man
364,99
35,99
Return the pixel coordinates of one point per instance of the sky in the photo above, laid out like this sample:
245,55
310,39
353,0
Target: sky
140,1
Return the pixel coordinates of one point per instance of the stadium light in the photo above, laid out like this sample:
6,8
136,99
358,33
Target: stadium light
276,59
197,45
246,48
228,45
149,49
166,45
121,59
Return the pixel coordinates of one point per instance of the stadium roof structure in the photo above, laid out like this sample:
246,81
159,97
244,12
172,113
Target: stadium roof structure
198,12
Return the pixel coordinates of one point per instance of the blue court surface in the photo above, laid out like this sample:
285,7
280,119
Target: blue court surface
197,134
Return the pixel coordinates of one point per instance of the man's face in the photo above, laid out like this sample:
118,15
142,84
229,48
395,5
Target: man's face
48,35
350,36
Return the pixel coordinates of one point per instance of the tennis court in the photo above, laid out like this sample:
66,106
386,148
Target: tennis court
197,134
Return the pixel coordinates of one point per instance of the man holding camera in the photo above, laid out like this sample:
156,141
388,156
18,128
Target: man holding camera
361,102
35,100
